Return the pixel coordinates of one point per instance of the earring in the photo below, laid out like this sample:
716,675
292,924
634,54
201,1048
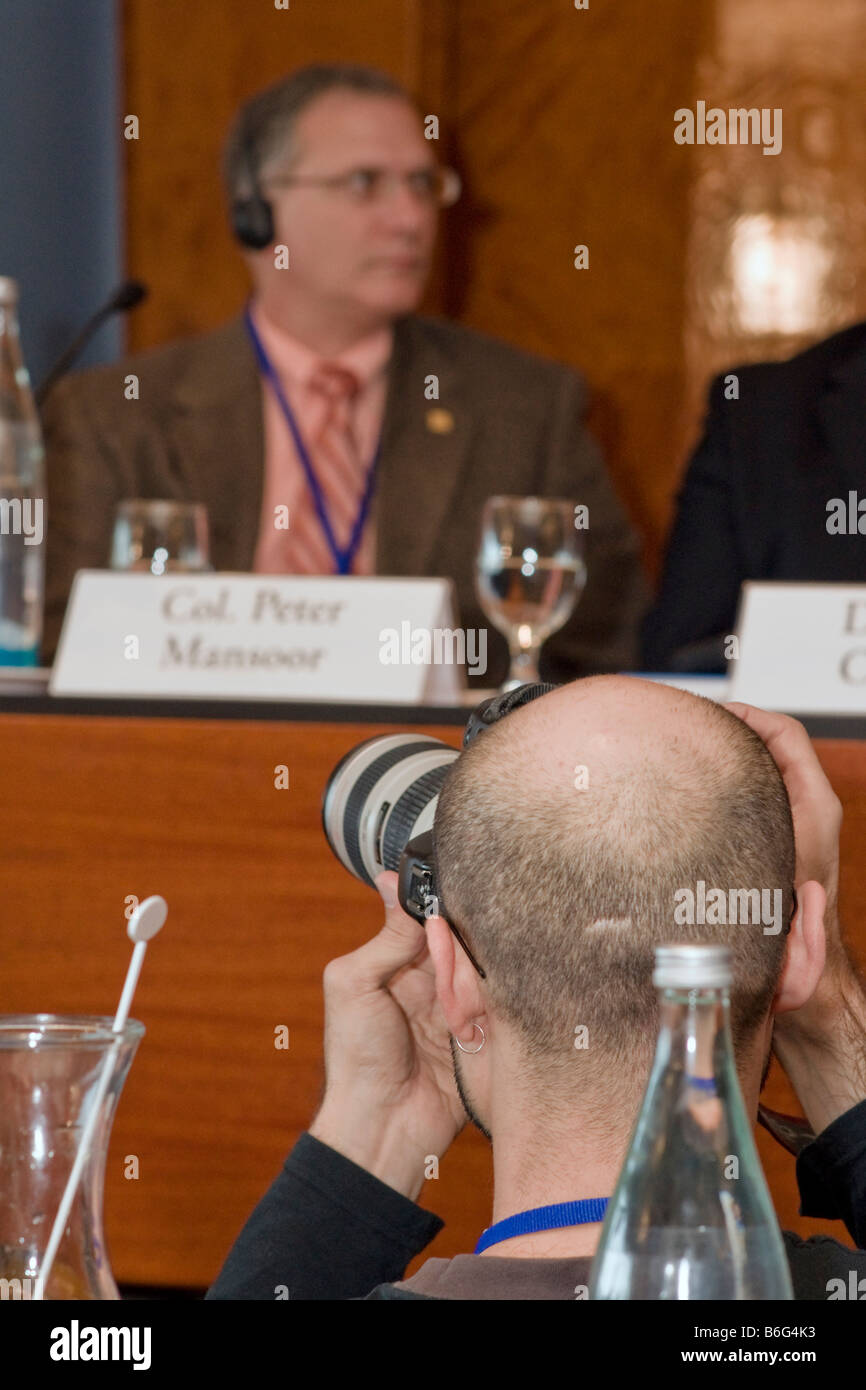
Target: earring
472,1050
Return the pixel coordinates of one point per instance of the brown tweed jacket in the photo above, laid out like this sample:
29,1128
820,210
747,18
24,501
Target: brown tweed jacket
512,424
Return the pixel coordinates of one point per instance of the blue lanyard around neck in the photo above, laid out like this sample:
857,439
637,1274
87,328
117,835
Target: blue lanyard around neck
342,557
552,1218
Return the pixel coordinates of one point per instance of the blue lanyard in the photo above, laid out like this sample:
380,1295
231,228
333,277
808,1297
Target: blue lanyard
342,558
552,1218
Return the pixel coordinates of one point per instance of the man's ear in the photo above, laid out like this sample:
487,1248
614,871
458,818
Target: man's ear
806,950
460,998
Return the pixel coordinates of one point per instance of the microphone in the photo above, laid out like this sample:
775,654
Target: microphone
125,297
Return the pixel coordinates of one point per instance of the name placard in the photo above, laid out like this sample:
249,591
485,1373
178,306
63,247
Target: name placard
802,648
262,637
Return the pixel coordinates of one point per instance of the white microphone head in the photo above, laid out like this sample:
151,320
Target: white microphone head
147,919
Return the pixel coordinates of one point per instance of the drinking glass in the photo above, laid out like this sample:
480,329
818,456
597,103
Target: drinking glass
51,1067
530,573
154,537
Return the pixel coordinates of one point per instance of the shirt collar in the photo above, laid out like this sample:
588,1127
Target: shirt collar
294,362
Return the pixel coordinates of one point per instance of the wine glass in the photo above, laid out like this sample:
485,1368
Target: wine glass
530,573
155,537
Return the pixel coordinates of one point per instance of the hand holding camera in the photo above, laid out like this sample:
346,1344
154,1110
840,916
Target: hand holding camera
390,1098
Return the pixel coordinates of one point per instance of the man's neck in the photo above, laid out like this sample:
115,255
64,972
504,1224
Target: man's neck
524,1178
529,1172
328,334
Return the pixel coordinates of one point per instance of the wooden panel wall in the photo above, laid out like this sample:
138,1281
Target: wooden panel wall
564,120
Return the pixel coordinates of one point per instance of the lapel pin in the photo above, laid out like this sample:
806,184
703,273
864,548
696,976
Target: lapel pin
440,421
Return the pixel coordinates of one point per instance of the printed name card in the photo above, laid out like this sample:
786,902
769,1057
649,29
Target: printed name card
262,637
802,648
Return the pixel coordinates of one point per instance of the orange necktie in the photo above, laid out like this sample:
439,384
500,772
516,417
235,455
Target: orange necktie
340,471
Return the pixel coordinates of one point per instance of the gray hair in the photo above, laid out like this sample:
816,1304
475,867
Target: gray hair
264,126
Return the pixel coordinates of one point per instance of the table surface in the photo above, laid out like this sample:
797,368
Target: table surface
842,726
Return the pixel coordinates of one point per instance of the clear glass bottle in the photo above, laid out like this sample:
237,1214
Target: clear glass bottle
692,1217
22,497
50,1069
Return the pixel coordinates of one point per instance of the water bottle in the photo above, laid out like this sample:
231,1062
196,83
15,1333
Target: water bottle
22,497
692,1217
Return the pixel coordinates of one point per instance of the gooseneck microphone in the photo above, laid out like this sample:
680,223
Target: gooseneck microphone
125,297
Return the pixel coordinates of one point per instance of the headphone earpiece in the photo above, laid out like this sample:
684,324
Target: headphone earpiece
252,217
253,222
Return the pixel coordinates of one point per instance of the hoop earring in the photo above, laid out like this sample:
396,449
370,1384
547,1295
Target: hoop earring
472,1050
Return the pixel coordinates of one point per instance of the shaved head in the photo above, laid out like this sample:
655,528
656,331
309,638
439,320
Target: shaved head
568,833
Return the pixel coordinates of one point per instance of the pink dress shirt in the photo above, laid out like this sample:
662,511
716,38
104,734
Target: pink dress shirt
285,481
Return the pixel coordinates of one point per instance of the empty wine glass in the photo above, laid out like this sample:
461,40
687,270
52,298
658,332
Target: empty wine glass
155,537
530,573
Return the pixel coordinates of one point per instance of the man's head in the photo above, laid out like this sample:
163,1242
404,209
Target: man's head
567,837
359,246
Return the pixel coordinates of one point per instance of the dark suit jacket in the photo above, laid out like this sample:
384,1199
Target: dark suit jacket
196,434
754,501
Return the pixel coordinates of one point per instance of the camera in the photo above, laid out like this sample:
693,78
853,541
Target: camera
379,811
379,804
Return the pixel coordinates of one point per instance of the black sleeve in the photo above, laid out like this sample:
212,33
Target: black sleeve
325,1229
831,1174
703,570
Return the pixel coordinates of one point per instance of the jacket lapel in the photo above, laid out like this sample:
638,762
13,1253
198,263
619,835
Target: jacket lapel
218,431
425,449
842,415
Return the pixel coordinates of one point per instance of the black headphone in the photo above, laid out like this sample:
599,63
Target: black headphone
252,218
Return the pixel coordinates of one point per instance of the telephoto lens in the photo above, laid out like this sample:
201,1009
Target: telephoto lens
380,796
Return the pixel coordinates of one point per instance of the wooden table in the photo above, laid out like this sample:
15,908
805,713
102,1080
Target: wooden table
99,806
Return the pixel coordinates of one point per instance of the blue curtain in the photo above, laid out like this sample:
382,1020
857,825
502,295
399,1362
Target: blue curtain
60,174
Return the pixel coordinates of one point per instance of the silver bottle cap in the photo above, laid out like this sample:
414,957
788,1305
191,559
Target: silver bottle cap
689,966
8,290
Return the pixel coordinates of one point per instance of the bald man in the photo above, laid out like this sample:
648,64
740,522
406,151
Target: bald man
562,894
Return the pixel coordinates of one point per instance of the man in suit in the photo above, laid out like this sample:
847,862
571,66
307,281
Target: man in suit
334,194
782,442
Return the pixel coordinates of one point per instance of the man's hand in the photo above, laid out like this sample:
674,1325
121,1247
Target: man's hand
390,1095
822,1046
816,811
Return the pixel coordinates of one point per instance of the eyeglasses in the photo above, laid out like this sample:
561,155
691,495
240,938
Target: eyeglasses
439,186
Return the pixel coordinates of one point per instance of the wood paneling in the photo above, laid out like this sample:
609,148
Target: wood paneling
95,809
564,122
